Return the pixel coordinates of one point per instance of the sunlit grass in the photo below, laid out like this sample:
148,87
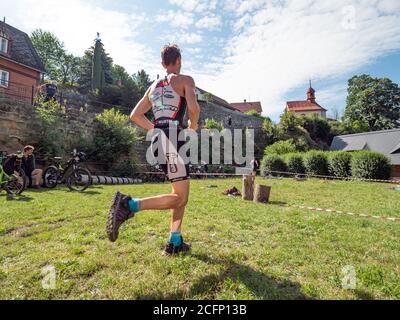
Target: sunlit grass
241,250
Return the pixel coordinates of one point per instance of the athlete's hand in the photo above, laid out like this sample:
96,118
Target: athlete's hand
193,126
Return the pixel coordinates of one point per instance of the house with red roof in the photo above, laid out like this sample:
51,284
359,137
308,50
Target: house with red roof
247,106
309,106
20,66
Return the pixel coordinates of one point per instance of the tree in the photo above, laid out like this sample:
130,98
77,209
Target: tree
50,50
103,61
60,65
69,70
85,74
98,74
289,121
318,128
372,104
142,81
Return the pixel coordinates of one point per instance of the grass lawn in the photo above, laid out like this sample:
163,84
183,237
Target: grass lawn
241,250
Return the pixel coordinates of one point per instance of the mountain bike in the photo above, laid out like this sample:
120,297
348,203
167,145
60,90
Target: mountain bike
14,183
76,177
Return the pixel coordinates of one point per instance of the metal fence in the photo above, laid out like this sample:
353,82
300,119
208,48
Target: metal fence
17,91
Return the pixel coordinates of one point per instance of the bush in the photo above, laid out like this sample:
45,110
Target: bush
280,148
340,164
254,113
125,168
316,163
114,137
295,163
370,165
289,121
317,127
49,134
213,124
270,163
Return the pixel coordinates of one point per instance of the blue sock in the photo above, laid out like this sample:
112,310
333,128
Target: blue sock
176,238
134,205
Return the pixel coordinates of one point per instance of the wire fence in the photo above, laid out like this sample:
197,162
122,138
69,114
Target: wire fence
281,174
17,91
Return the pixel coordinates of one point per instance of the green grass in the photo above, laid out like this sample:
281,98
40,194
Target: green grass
241,250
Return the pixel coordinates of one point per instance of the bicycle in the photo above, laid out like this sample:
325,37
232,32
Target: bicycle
76,177
14,183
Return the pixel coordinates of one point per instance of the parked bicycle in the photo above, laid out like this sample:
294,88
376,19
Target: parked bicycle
76,177
12,176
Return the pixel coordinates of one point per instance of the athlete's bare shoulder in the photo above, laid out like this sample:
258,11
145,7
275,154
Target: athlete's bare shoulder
187,80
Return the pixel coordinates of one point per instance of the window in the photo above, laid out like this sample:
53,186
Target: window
3,45
4,78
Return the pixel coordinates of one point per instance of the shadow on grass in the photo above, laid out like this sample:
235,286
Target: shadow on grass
20,198
364,295
88,192
277,203
262,286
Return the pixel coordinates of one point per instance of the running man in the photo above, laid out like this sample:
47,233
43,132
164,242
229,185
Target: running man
169,99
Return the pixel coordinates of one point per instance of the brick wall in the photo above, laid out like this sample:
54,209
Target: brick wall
22,78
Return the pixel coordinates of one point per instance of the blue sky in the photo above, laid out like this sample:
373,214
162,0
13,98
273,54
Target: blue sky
261,50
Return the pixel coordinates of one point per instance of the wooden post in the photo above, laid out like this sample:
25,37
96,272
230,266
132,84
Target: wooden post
248,188
262,194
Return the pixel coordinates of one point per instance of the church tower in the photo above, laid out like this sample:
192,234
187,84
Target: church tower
311,94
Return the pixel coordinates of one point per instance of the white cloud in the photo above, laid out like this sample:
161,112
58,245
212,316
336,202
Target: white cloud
76,22
177,19
274,46
210,22
189,38
283,44
195,5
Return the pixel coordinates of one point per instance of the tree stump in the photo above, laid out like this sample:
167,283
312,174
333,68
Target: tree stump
262,194
248,188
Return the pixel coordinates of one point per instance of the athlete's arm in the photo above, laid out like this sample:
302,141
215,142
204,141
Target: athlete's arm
138,113
193,106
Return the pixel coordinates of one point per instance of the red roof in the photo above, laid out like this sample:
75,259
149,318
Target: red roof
304,106
247,106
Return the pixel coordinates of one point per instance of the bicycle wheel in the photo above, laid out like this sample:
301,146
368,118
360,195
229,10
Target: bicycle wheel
17,183
79,179
50,177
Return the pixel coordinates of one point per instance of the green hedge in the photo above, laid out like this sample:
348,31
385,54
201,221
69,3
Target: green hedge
295,162
370,165
339,163
272,162
316,163
360,164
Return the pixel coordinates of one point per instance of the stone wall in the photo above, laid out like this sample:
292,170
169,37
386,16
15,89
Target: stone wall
18,122
18,119
217,112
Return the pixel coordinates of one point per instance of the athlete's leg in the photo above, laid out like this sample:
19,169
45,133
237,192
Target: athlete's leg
177,199
182,188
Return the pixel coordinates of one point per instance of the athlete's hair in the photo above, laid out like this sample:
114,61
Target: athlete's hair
170,53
